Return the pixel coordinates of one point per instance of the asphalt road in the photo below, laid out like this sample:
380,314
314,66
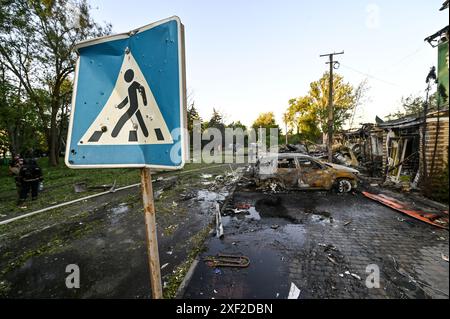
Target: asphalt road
323,243
105,238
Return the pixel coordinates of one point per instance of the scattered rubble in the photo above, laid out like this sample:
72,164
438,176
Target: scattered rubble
294,292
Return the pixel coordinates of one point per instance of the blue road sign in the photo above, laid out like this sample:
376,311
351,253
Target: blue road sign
128,102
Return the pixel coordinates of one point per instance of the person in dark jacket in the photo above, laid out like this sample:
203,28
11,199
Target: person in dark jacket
30,176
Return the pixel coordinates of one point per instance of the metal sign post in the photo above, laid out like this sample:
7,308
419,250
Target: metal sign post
152,236
129,110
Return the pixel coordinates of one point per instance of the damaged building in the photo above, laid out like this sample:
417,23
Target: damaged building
393,149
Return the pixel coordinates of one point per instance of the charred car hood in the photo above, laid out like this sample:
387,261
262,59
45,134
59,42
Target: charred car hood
343,168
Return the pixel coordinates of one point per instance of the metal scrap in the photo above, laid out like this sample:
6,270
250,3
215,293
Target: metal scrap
222,260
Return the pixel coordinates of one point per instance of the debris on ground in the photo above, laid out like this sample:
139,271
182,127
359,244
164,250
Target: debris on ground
438,219
344,155
242,206
444,257
419,284
158,194
355,276
222,260
293,148
164,266
271,186
83,187
294,292
347,223
332,260
219,225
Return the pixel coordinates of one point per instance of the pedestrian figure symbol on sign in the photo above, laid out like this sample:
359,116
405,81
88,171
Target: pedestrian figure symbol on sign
133,109
142,121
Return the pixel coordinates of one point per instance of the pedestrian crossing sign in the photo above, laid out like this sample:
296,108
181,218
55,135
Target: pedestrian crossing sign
128,105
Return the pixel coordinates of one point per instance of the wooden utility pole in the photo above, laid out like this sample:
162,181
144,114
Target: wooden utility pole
333,64
151,234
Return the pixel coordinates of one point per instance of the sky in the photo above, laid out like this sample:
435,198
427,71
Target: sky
248,57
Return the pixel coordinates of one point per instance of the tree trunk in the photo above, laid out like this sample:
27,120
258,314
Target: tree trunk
53,136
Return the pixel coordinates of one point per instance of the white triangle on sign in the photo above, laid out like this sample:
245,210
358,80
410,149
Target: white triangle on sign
131,114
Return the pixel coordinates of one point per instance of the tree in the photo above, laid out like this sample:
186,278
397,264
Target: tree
295,114
216,120
37,40
343,100
18,122
237,124
413,106
192,115
308,115
265,120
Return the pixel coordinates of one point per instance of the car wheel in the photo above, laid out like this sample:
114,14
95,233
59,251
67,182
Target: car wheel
344,186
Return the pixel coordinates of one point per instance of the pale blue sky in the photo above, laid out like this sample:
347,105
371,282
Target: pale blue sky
247,57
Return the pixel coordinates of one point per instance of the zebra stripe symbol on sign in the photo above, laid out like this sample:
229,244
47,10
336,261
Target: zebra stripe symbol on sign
131,114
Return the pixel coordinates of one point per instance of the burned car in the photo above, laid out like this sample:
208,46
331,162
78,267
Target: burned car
299,171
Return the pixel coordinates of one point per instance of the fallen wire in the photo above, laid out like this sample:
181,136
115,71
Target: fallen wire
418,283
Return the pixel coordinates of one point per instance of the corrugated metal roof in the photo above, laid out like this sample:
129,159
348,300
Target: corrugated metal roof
402,122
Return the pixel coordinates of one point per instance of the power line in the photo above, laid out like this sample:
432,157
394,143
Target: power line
370,76
407,57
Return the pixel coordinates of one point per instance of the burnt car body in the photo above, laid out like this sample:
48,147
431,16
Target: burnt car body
300,171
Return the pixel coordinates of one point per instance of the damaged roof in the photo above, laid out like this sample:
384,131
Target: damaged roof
407,121
436,35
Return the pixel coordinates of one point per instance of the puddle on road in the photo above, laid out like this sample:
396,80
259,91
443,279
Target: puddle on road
122,208
208,199
118,212
264,278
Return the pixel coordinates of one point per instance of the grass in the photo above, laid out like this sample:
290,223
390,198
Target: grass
177,276
59,185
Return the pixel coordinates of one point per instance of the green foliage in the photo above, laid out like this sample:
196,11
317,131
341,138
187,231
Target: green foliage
237,124
37,39
216,119
192,115
265,120
411,106
19,124
308,115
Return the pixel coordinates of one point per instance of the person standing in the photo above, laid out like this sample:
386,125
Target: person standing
14,170
30,176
